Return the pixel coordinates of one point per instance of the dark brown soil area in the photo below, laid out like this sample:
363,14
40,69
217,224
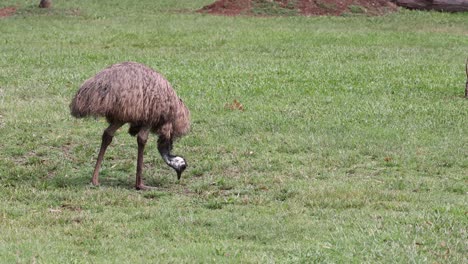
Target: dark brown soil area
299,7
7,11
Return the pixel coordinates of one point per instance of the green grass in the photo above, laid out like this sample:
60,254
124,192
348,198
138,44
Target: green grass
357,9
271,8
352,146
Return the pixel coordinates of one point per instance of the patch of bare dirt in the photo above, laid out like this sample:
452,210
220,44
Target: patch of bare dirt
300,7
7,11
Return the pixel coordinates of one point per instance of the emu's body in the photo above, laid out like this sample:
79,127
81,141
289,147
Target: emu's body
133,93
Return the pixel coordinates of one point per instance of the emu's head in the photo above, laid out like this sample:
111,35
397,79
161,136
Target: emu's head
178,164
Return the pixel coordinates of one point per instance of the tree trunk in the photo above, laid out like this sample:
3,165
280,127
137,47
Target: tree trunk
45,4
439,5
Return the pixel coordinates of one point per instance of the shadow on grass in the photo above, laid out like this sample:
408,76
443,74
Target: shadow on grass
112,181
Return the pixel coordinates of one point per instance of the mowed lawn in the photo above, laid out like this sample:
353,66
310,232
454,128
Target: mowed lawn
351,145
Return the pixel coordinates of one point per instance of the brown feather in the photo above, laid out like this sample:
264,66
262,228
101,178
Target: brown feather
131,92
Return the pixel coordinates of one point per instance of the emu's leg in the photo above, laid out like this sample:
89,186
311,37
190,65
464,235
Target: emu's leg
106,140
142,137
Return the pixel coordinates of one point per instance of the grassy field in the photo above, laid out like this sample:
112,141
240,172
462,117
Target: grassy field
352,146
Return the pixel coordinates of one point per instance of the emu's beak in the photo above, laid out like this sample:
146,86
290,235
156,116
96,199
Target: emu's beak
179,174
180,170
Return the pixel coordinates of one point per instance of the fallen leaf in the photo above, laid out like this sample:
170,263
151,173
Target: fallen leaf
235,105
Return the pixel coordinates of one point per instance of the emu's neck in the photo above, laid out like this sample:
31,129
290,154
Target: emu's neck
165,148
175,162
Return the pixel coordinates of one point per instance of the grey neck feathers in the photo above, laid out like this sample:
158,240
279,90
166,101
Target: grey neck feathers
165,147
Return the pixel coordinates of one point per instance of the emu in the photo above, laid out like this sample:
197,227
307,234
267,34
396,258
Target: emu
133,93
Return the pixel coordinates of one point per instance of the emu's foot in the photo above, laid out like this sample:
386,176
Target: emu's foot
145,188
93,186
95,183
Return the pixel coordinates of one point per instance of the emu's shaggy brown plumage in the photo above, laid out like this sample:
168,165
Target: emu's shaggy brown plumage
133,93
